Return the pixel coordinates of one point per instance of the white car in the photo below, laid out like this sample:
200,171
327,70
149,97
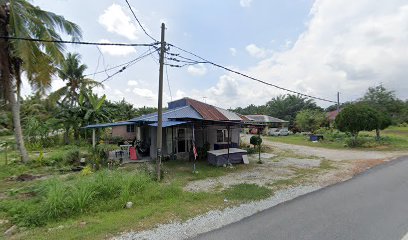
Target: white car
279,132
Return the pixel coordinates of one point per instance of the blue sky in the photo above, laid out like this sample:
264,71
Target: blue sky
315,47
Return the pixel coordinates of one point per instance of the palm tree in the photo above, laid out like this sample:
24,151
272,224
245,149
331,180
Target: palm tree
73,72
19,18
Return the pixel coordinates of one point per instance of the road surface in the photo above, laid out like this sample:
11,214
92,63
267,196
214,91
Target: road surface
373,205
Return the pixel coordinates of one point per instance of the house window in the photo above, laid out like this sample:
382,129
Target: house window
222,135
130,128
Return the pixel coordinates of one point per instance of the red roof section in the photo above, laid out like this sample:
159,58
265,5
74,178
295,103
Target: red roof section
332,115
207,111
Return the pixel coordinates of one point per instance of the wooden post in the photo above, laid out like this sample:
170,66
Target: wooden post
93,138
159,104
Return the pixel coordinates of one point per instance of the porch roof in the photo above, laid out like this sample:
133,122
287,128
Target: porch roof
106,125
168,123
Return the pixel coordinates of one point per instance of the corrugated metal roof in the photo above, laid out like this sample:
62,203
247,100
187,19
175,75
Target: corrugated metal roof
230,115
265,119
105,125
181,112
208,112
168,123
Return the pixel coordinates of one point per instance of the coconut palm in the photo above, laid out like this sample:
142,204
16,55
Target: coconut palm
19,18
72,71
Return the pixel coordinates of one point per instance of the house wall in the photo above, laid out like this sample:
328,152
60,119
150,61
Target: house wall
170,143
211,135
120,131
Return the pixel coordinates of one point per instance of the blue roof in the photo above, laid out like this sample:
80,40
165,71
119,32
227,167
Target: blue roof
168,123
105,125
175,113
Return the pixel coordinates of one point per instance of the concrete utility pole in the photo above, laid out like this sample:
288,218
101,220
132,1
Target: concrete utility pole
338,102
160,103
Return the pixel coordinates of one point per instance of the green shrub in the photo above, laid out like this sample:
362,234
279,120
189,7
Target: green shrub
72,157
353,142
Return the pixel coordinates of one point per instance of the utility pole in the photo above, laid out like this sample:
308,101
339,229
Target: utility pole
160,103
338,102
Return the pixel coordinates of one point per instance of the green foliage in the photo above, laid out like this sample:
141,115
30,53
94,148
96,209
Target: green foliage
309,120
102,191
284,107
385,101
255,140
100,153
247,192
357,117
354,142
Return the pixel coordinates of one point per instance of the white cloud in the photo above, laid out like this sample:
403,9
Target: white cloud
144,93
197,70
233,51
118,92
116,50
115,20
245,3
256,51
132,83
364,46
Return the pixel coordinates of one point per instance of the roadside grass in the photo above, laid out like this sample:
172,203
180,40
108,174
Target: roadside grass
304,141
247,192
181,171
302,176
392,138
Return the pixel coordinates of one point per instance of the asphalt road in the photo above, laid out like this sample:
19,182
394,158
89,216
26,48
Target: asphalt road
373,205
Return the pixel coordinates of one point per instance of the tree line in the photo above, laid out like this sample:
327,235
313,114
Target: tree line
304,113
69,108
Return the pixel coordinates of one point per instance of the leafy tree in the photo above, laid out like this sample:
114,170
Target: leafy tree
19,18
357,117
121,110
72,71
310,120
384,101
93,108
287,106
384,121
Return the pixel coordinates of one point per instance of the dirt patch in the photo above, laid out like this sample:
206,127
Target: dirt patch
26,177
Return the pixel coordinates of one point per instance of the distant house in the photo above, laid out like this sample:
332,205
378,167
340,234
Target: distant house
264,123
331,116
186,120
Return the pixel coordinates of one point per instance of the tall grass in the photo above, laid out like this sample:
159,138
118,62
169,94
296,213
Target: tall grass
102,191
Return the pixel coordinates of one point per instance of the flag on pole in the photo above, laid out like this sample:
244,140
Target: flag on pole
194,147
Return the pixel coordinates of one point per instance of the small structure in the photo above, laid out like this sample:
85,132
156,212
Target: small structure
331,116
265,123
224,157
185,122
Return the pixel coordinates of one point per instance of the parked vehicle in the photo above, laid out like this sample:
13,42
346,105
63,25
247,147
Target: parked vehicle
279,132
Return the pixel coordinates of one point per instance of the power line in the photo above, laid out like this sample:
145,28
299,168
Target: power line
143,55
252,78
80,43
111,68
168,83
141,26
